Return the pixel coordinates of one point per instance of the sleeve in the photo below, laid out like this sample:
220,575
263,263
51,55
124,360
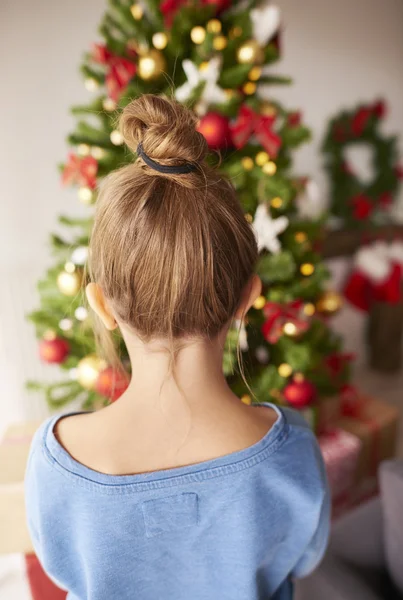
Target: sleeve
316,548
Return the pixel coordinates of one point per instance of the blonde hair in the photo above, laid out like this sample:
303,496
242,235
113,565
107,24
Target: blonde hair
171,252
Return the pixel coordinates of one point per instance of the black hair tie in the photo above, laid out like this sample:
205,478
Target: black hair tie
187,167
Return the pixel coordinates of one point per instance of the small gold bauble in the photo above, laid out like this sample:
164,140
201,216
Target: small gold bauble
300,237
116,138
137,11
309,309
290,329
259,302
97,152
69,283
160,40
255,73
249,88
250,53
91,84
329,303
235,32
49,335
276,202
151,65
262,158
269,168
307,269
247,163
198,35
249,217
267,109
69,267
203,66
85,195
284,370
88,370
83,149
109,105
214,26
246,399
220,42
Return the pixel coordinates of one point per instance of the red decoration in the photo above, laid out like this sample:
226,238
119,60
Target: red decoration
169,9
120,70
362,206
399,171
337,361
379,109
351,401
300,393
54,350
385,199
358,291
294,119
112,383
277,315
82,171
220,5
215,128
360,120
249,123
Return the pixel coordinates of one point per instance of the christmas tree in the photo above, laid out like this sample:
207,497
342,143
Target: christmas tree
215,56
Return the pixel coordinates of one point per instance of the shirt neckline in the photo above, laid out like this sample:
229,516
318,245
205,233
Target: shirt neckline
231,462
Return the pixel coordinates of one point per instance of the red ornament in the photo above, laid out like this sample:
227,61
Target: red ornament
385,199
215,128
277,315
300,393
120,70
82,171
337,361
53,350
379,109
362,206
112,383
294,119
248,123
220,5
360,120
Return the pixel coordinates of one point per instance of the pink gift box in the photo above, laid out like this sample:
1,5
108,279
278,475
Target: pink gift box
340,451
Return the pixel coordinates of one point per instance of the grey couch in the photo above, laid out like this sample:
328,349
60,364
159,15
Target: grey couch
364,560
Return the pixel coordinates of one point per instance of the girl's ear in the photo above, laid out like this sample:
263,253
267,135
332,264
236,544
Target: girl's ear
252,290
99,305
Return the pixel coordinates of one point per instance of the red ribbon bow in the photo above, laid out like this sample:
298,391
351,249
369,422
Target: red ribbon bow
82,171
249,123
169,9
277,315
120,70
361,292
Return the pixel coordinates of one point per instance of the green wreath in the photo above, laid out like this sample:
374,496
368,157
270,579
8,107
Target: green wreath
354,202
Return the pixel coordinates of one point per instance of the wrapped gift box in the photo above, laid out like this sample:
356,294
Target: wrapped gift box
375,423
341,451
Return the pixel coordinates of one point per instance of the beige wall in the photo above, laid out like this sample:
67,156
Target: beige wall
338,52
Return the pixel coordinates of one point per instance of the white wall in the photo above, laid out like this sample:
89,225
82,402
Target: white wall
338,52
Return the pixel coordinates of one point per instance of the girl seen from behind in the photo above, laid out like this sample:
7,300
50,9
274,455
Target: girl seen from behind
178,490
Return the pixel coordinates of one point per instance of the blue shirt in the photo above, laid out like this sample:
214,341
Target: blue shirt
238,527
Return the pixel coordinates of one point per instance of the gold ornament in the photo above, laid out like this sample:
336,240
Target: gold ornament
203,66
214,26
329,303
116,138
220,42
137,11
88,370
151,65
262,158
69,267
97,152
255,73
160,40
246,399
250,53
309,309
85,195
91,84
268,110
69,283
83,149
276,202
284,370
198,35
307,269
229,93
247,163
235,32
49,335
300,237
269,168
259,302
109,105
290,329
249,217
249,88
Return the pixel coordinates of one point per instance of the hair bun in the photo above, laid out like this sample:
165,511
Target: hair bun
166,129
